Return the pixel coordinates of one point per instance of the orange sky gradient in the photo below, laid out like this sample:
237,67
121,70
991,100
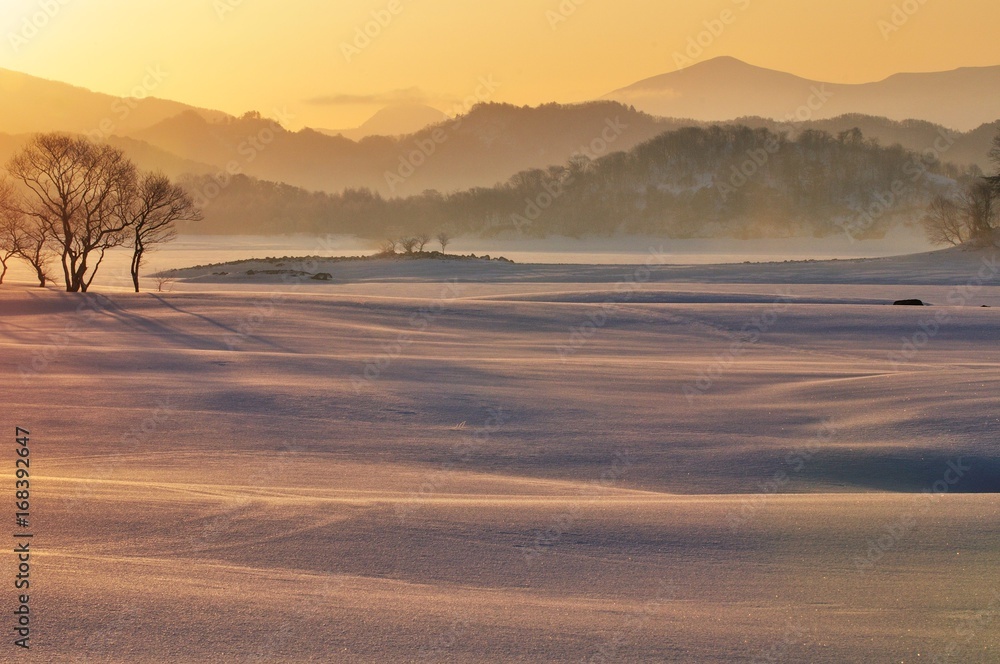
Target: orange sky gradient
237,55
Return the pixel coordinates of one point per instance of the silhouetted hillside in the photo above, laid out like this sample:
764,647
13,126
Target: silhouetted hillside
968,148
143,154
484,147
32,104
725,88
729,181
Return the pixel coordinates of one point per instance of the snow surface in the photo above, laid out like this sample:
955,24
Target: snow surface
531,463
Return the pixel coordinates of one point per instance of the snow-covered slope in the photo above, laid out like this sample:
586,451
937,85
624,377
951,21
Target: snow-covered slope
403,469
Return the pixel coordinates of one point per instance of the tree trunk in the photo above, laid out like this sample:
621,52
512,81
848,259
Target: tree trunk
67,273
136,263
84,281
73,282
79,283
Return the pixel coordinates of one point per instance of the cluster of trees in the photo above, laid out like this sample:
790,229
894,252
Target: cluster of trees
69,200
414,243
971,214
694,182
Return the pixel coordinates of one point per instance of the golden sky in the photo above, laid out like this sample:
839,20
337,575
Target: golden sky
303,56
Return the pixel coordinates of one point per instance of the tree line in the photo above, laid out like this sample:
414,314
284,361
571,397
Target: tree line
66,201
729,180
413,244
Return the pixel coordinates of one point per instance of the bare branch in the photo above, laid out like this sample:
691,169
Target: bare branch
152,213
75,191
444,240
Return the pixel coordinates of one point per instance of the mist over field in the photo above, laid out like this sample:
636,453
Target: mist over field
549,332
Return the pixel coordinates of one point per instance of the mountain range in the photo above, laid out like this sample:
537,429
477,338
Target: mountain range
724,88
419,148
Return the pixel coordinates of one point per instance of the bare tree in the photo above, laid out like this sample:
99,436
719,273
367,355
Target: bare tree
76,192
995,182
21,238
970,216
34,247
422,241
408,244
164,282
36,251
8,249
995,152
387,247
944,223
444,240
10,228
994,156
978,202
151,213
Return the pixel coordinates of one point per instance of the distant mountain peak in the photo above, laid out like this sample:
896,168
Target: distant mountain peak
393,120
727,62
726,88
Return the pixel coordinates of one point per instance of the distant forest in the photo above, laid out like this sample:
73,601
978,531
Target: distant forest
714,181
